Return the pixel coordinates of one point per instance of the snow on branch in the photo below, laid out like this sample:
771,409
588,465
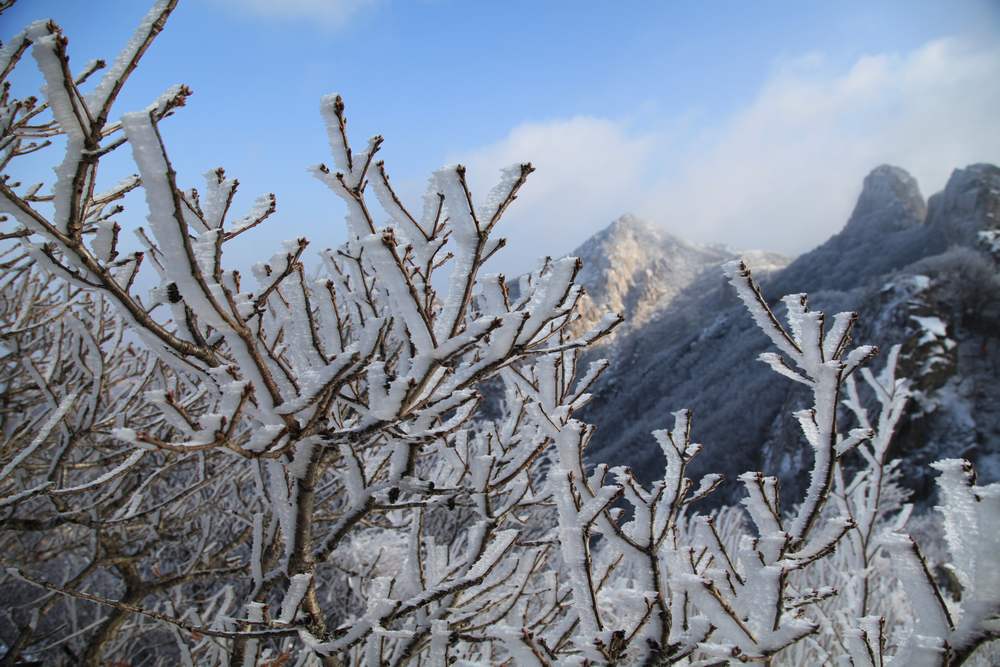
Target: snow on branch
369,462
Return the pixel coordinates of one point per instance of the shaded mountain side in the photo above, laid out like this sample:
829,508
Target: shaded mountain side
969,204
685,358
915,274
890,216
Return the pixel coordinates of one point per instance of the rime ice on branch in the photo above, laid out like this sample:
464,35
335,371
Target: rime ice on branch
336,405
349,467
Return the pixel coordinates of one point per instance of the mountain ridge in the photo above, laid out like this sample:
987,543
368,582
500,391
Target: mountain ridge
902,263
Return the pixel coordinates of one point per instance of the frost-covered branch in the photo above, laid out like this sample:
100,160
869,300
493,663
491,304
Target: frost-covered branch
379,460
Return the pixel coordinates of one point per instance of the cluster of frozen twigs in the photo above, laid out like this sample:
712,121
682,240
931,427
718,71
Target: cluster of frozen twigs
305,470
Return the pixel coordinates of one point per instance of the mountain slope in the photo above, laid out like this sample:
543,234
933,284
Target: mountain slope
915,275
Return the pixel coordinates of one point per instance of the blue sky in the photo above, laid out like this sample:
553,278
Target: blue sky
745,123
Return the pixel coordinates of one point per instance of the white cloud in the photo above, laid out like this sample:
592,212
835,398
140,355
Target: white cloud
329,13
588,171
781,173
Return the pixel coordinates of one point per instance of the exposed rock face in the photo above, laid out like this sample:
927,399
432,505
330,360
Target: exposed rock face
916,274
968,205
635,268
890,200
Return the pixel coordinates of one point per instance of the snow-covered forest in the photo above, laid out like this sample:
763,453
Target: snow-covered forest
379,459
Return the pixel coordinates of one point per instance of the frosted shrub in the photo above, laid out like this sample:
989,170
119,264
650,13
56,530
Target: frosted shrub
295,422
301,469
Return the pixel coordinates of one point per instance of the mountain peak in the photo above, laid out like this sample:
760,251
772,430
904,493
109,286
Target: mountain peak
631,243
973,174
969,204
634,267
886,231
630,225
630,221
890,199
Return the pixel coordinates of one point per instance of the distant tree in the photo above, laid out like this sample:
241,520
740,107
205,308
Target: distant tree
303,471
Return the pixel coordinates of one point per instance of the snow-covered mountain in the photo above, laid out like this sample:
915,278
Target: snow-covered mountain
918,275
636,268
